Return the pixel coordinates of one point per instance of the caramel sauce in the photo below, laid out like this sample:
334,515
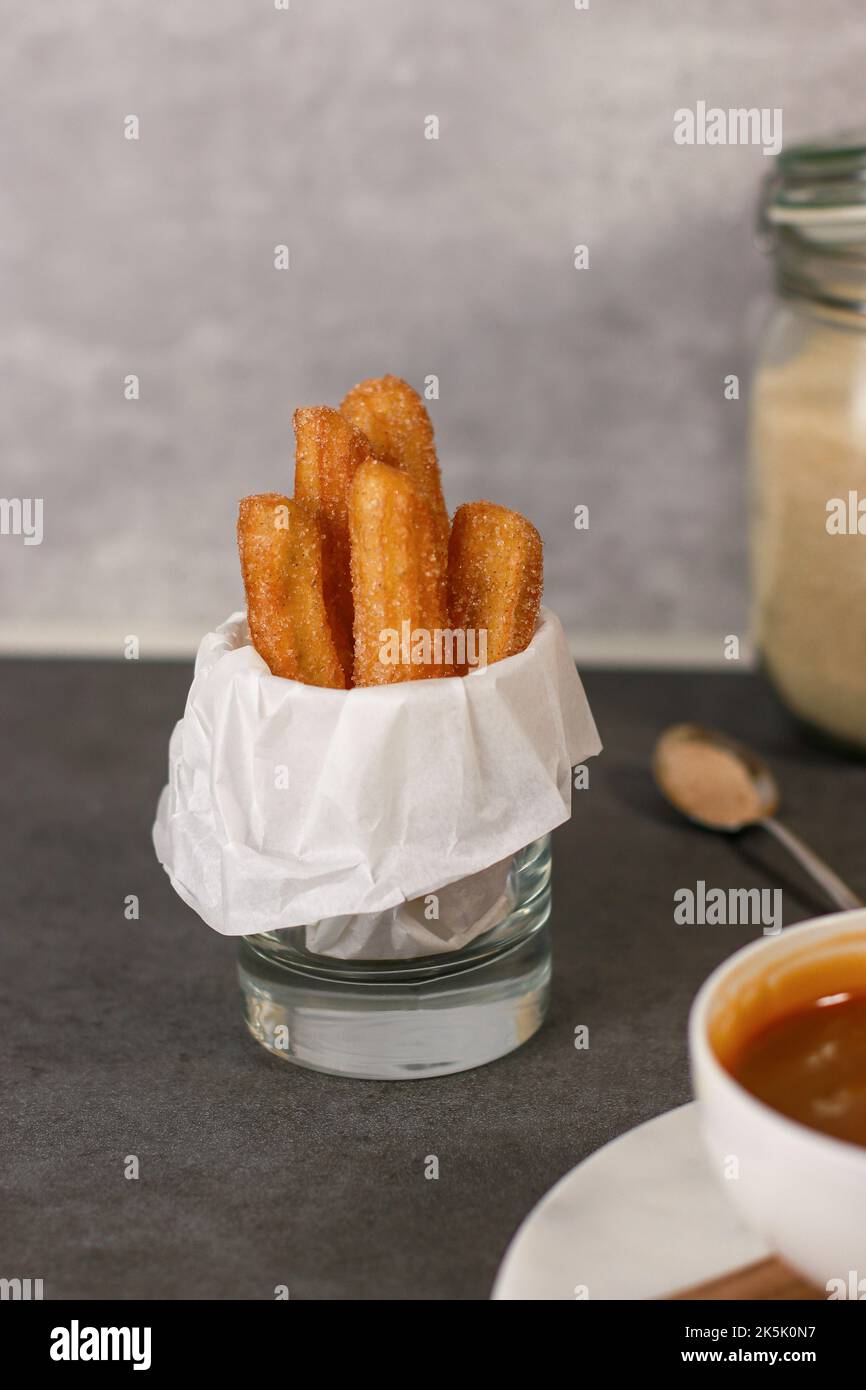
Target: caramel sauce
811,1065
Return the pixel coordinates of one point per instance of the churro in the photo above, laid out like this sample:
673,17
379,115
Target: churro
328,450
495,576
398,581
280,547
393,418
356,580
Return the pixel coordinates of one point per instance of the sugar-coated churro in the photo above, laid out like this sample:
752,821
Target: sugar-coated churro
495,576
394,419
280,547
398,581
356,580
328,450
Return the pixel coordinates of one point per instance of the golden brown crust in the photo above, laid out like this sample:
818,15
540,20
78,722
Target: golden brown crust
495,576
281,561
397,576
394,419
328,451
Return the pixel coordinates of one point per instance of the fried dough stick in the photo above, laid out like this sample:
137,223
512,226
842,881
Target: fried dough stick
495,576
397,580
328,451
281,562
394,419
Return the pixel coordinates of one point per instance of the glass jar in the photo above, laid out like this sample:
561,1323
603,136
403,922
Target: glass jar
407,1018
808,440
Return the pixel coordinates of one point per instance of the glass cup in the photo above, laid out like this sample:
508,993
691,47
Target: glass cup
402,1019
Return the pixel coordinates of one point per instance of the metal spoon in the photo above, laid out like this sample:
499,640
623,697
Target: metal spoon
760,791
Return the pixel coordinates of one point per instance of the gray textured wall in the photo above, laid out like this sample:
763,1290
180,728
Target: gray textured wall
453,257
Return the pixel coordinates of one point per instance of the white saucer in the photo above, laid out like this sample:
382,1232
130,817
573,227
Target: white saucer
641,1218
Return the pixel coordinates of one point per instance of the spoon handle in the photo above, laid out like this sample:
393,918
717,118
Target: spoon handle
837,891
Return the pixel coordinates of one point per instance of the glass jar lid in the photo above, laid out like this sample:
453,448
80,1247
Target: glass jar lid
813,219
819,184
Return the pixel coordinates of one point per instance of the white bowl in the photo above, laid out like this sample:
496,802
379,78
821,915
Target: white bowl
803,1191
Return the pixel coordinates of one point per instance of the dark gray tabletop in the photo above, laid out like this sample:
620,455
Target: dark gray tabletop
125,1038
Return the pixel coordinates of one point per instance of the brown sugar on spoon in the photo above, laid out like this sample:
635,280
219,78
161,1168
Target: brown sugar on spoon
710,784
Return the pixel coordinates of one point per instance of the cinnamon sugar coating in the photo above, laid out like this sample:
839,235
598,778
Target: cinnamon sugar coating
495,576
397,574
328,451
394,419
280,549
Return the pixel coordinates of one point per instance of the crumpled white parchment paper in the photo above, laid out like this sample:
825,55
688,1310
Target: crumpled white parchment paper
289,804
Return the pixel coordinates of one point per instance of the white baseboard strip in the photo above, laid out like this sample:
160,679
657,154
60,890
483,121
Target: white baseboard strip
627,651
